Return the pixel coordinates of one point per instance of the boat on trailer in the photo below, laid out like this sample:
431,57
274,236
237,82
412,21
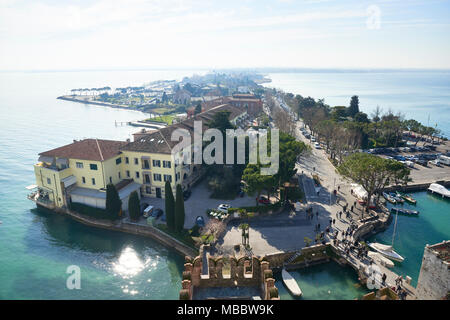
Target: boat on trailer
405,211
291,283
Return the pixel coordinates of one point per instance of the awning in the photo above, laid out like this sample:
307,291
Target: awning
64,161
46,159
68,181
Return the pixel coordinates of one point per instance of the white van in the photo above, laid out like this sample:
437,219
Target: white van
147,211
445,160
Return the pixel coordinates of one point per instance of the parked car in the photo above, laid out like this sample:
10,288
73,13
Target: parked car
223,207
186,194
157,213
317,145
263,200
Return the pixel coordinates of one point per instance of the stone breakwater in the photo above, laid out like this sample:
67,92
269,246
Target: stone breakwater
131,228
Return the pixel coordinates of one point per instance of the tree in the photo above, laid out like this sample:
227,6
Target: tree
170,207
374,173
113,202
354,106
134,206
361,117
179,209
255,182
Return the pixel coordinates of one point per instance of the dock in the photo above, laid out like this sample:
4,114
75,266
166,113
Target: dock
363,267
439,189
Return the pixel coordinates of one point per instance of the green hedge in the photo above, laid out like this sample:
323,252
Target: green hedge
263,208
91,211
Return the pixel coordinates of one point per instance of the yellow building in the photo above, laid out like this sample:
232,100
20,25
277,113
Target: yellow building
80,171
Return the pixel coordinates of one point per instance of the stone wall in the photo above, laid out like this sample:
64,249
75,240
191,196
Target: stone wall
434,277
243,272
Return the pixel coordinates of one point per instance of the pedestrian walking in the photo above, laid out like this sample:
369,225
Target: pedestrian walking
339,188
318,226
334,221
351,208
383,278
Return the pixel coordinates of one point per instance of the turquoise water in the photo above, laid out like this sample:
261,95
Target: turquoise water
413,233
37,247
327,281
417,94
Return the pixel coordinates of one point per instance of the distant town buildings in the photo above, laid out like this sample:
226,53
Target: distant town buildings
248,102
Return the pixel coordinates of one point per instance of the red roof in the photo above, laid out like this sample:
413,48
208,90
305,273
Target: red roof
87,149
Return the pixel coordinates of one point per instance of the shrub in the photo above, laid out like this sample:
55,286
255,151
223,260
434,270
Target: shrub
268,274
184,294
91,211
179,209
186,275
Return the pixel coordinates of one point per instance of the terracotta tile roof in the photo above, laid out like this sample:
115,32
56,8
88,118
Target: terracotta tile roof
87,149
160,141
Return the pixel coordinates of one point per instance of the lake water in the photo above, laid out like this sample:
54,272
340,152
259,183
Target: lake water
37,247
413,233
417,94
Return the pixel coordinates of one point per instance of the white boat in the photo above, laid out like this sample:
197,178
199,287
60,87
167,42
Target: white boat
291,283
386,251
381,259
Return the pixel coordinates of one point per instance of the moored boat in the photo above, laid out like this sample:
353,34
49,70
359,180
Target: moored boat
381,259
389,198
291,283
396,198
405,211
386,251
407,197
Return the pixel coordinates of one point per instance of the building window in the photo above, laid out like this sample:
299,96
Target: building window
177,176
93,166
49,181
146,164
147,178
119,176
137,174
156,177
167,177
110,179
166,164
118,160
83,179
80,165
156,163
136,161
93,181
148,190
128,173
127,160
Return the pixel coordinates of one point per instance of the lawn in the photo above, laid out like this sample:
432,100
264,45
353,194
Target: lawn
163,118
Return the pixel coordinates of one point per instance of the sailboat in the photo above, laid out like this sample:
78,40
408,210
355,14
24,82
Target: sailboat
291,283
386,250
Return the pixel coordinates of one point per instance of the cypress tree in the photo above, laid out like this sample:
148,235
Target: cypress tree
179,209
170,207
113,202
133,206
354,106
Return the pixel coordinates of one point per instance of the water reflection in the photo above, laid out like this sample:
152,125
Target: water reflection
129,264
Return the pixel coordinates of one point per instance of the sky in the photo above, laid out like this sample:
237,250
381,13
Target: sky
101,34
